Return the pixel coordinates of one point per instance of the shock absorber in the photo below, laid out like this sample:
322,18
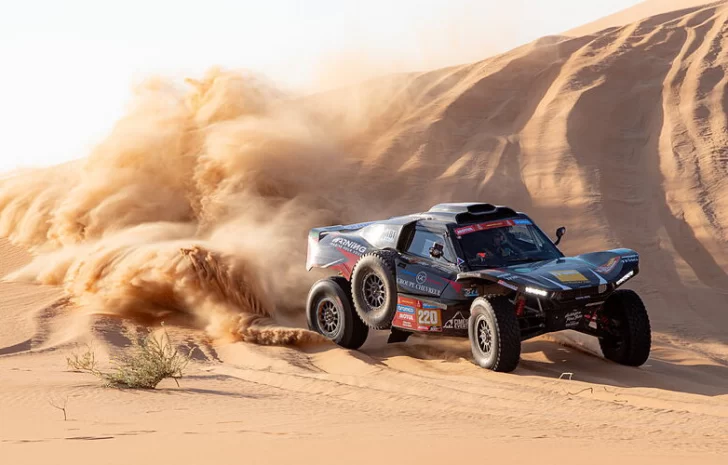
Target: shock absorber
520,305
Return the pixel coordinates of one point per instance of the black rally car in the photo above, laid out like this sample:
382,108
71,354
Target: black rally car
472,270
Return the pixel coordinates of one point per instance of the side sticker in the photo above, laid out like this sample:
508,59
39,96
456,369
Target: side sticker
483,226
458,321
429,319
609,266
417,315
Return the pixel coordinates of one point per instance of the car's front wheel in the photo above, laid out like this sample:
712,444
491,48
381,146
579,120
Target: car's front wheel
329,311
494,333
625,327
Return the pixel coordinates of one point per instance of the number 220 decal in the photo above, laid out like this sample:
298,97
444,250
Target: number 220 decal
428,317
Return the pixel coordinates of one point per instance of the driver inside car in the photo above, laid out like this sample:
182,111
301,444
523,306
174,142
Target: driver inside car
503,246
499,245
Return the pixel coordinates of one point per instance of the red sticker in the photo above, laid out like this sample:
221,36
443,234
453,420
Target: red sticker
483,226
409,302
400,322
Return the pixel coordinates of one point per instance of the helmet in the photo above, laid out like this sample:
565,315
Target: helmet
498,237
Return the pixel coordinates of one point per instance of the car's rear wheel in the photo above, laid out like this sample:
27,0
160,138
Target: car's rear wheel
374,289
494,333
330,312
625,328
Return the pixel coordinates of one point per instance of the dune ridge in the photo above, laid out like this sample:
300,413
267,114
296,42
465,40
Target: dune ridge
643,9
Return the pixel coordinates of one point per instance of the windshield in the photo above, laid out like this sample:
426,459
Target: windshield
504,242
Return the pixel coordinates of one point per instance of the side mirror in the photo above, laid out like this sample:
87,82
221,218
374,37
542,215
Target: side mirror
436,251
559,234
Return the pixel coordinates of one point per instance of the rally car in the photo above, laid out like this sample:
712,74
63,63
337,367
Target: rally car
474,270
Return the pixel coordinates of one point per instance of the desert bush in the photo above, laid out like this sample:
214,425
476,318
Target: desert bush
150,360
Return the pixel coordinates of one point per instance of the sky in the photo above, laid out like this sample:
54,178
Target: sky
68,66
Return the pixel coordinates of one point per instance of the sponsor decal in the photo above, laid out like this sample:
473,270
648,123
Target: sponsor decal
422,277
572,318
505,276
431,329
470,292
458,321
405,315
408,305
483,226
389,236
631,259
508,285
460,261
570,276
409,302
421,282
609,266
418,287
522,221
406,309
403,323
428,317
465,230
349,246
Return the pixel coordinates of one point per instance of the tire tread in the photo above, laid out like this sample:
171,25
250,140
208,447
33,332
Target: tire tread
509,350
508,333
638,325
355,331
360,331
386,259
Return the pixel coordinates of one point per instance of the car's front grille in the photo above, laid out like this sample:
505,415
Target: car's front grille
578,294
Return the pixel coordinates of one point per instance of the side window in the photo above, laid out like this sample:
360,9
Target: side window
424,240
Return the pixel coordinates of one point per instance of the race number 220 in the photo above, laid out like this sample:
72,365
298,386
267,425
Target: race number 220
428,317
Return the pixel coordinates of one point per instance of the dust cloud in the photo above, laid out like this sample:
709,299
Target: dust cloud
194,210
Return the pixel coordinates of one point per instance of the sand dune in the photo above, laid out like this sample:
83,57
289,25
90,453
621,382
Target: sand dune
644,9
194,212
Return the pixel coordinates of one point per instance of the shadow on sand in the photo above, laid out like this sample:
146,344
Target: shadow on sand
708,379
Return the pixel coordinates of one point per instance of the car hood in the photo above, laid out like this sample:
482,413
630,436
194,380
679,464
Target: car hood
581,271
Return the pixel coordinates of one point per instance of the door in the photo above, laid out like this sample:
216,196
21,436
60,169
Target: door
419,272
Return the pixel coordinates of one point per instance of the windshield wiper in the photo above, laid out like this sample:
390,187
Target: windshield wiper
528,260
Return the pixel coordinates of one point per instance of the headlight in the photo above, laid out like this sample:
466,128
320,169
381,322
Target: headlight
533,290
625,278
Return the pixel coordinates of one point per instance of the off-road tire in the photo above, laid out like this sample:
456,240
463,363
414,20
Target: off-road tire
493,325
375,270
333,294
632,347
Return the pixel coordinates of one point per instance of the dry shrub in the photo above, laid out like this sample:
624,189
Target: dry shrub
150,360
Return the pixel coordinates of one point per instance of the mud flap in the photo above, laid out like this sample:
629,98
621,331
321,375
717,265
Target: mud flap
397,335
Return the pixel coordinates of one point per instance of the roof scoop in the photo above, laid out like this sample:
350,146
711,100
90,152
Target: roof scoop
471,212
470,207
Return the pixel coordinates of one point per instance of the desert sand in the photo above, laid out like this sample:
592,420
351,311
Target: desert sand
194,213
